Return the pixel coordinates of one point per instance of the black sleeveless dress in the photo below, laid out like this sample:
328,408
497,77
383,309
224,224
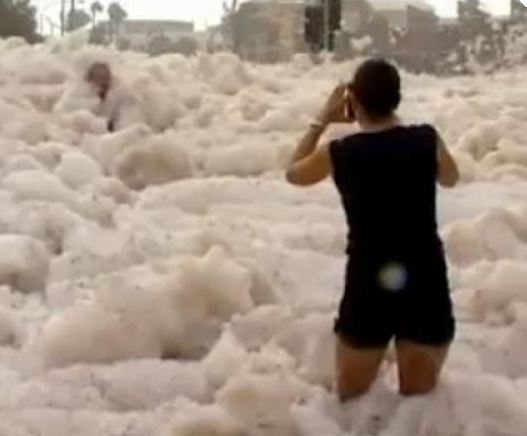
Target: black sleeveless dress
396,278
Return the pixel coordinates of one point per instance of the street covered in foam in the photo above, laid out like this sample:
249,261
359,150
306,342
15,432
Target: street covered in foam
165,280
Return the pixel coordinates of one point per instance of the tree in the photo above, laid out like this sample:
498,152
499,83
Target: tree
95,8
77,19
159,44
124,44
230,25
314,27
515,39
17,18
117,16
480,39
100,34
186,46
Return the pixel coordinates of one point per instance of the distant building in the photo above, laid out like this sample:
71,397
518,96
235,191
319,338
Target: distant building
518,11
473,20
270,30
480,34
360,19
449,34
408,25
139,32
399,12
355,13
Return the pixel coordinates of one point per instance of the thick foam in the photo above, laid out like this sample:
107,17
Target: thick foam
165,280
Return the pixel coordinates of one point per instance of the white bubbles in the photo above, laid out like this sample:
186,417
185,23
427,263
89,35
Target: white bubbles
164,280
24,264
77,169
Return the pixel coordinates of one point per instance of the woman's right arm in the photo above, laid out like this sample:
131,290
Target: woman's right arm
448,171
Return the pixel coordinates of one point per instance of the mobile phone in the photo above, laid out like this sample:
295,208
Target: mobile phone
348,109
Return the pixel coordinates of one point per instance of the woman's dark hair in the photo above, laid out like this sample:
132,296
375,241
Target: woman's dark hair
377,87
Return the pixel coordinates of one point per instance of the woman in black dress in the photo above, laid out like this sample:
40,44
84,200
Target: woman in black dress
396,276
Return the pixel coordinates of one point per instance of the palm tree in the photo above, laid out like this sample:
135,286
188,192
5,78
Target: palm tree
62,17
117,15
230,24
95,8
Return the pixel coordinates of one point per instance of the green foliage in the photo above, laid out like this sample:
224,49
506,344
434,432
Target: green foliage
95,8
186,46
100,35
17,18
124,44
159,45
117,16
77,19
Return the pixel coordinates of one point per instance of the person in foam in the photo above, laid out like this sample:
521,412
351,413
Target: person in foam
396,284
103,94
99,76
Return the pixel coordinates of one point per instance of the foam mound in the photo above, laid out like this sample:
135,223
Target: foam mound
163,279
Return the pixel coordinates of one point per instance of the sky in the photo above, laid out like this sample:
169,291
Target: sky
208,12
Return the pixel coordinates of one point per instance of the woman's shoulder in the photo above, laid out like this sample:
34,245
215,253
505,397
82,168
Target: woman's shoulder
403,132
340,144
408,128
424,131
426,134
422,127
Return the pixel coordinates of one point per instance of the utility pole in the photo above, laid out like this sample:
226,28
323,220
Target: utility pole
327,32
62,17
71,16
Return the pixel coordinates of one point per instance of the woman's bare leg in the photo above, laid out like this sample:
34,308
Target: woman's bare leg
357,369
419,367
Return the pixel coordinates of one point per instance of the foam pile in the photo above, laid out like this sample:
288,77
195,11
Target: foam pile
164,280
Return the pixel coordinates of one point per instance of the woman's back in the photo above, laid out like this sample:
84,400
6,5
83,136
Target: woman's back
396,281
387,181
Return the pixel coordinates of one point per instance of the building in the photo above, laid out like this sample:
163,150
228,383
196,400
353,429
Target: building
480,34
139,32
422,28
270,30
360,19
321,30
518,11
399,12
401,25
473,20
355,13
450,34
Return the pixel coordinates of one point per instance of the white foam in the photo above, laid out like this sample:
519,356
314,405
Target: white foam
180,287
24,263
76,169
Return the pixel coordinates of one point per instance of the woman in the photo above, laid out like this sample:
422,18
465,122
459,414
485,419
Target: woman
396,278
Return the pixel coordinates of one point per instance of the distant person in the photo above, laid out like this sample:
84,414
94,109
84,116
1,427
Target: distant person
100,77
103,94
396,277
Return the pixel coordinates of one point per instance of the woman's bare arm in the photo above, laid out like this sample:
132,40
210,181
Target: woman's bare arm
309,164
448,172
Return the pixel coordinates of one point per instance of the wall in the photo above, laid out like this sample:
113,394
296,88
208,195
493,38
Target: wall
271,32
139,32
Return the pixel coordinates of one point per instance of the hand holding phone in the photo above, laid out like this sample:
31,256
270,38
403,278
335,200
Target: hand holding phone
348,108
337,108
